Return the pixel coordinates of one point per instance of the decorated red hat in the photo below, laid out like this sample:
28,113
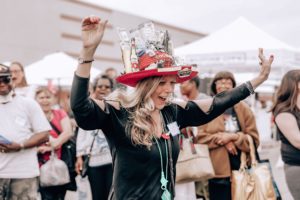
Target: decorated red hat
147,53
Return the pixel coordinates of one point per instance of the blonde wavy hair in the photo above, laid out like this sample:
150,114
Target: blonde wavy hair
141,126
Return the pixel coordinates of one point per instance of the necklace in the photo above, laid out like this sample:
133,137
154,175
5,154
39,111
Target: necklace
163,179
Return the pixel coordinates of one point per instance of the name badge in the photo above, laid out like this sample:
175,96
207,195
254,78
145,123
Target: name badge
174,128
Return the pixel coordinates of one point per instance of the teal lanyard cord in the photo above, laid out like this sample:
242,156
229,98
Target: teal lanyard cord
163,179
166,147
164,186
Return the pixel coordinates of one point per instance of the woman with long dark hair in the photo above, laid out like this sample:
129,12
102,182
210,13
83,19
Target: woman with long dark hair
286,110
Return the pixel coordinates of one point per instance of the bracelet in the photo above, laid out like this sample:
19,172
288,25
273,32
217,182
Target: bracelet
82,61
250,87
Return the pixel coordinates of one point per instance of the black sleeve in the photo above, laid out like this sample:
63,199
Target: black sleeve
87,113
192,115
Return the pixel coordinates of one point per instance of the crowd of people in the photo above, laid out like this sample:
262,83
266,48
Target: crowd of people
131,140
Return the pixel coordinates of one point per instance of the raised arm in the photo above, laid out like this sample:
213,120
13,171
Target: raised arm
211,108
228,99
92,31
87,112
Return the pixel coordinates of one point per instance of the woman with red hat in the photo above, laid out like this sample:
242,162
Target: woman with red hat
142,128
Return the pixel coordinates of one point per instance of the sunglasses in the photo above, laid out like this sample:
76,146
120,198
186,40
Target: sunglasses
5,79
103,86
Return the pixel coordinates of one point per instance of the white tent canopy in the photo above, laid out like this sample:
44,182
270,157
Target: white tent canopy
236,47
58,67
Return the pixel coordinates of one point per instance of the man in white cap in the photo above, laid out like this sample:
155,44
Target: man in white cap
23,126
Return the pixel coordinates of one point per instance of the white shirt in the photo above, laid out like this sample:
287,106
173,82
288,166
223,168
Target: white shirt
28,91
100,154
19,120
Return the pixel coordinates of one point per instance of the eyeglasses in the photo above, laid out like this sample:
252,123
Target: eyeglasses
15,71
5,79
224,83
103,86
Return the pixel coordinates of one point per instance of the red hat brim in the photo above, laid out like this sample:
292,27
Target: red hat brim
183,73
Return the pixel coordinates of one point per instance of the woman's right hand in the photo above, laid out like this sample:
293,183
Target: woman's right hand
92,31
78,165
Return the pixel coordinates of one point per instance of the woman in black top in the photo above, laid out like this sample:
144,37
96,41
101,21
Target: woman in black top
141,127
286,110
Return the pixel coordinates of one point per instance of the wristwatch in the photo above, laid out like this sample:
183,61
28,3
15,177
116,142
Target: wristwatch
82,61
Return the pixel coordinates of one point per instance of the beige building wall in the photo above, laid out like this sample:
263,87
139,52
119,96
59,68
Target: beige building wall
31,29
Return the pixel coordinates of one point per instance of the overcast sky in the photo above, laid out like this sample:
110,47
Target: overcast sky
279,18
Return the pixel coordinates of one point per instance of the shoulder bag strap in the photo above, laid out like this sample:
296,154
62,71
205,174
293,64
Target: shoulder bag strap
94,137
55,128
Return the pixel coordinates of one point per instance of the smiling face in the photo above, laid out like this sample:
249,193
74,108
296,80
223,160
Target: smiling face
186,87
163,91
223,85
44,98
103,88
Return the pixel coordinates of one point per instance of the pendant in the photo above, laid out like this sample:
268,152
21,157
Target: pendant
163,181
165,136
166,195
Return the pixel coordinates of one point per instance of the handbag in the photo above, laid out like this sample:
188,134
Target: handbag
277,192
254,183
86,160
194,163
68,155
54,172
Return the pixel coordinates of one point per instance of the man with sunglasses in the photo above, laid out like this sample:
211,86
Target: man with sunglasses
23,126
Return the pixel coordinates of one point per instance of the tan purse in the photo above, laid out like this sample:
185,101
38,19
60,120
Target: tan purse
194,163
252,184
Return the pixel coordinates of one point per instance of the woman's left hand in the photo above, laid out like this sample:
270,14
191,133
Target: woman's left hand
55,143
223,138
265,64
265,69
230,146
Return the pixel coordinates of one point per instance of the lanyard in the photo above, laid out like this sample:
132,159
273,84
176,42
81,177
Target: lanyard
163,179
